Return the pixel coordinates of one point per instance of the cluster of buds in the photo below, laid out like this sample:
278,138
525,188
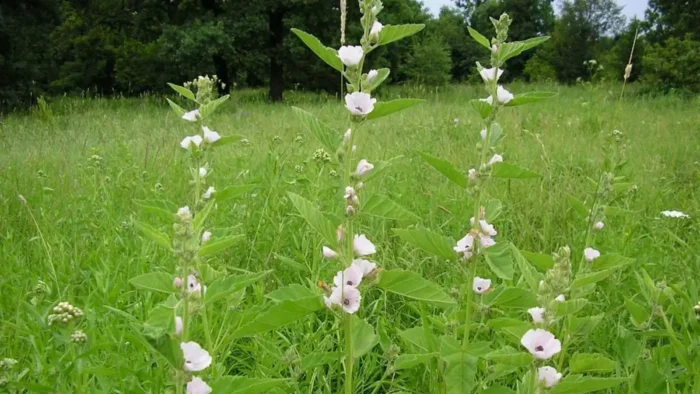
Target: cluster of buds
78,336
483,232
7,363
558,279
183,227
64,313
95,161
697,311
206,88
322,156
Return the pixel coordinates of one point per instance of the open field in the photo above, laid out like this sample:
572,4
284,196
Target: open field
81,164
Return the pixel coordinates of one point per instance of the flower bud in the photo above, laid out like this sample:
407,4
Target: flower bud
177,282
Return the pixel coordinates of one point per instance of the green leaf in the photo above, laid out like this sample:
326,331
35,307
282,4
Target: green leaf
577,384
447,169
229,139
460,373
529,273
167,347
512,171
210,107
315,218
509,356
500,260
183,91
161,321
493,210
245,385
318,359
569,307
391,33
279,315
415,337
428,241
202,215
154,281
411,285
328,55
382,75
530,97
389,107
410,360
479,38
591,278
179,111
591,362
381,206
219,245
292,292
153,234
483,108
515,48
363,337
324,133
638,313
164,209
233,191
510,297
578,206
610,261
291,263
583,326
223,287
543,262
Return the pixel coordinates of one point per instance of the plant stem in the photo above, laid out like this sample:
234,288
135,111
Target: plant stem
470,295
348,353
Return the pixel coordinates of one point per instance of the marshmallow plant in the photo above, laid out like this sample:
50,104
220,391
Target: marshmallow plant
179,327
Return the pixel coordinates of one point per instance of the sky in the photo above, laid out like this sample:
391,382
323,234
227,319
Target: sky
631,7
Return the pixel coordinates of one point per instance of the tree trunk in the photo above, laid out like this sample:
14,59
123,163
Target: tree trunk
276,26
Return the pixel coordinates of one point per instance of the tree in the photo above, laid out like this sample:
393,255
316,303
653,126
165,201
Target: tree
672,18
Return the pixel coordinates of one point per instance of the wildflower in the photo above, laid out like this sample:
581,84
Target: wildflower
465,246
560,298
495,159
178,325
340,233
481,285
494,48
194,287
363,167
486,241
541,343
210,191
196,358
472,174
347,297
78,336
187,142
487,228
184,212
359,104
192,116
202,172
372,75
177,282
549,376
488,100
329,253
350,55
489,74
210,136
351,276
347,135
628,71
350,210
376,29
351,195
675,214
206,236
599,225
364,266
483,133
591,254
362,246
198,386
537,314
503,95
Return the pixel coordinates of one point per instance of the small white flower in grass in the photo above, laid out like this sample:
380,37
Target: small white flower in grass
363,167
351,195
194,287
487,228
178,325
376,29
481,285
591,254
372,75
202,172
363,246
188,142
483,133
495,159
340,233
177,282
210,136
541,343
503,95
206,236
347,136
192,116
364,266
560,298
329,253
351,276
346,297
350,55
486,241
359,104
473,175
184,212
549,376
210,192
599,225
465,246
489,74
198,386
675,214
537,314
196,358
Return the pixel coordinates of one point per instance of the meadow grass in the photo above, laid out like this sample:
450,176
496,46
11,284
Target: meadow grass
80,165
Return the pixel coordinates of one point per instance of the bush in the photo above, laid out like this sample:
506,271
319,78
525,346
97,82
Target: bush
674,65
431,63
539,68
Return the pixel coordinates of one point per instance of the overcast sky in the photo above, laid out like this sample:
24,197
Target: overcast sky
631,7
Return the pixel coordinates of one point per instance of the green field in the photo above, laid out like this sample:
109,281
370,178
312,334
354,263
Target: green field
81,162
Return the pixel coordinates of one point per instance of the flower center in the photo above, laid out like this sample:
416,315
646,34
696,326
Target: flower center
539,348
346,302
349,283
358,108
478,288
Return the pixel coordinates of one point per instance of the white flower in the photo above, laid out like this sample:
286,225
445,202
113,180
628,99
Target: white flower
483,133
560,298
371,75
488,100
350,55
329,253
363,167
210,191
591,254
351,276
465,246
364,266
486,241
489,74
347,136
675,214
549,376
473,175
363,246
541,343
599,225
194,287
198,386
347,297
178,325
187,142
202,172
210,136
184,212
192,116
196,358
376,29
487,229
340,233
177,282
494,48
537,314
481,285
503,95
359,104
351,195
495,159
206,236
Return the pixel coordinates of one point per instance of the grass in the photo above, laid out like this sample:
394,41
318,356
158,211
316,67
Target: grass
80,165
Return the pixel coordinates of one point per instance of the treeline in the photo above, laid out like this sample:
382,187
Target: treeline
135,46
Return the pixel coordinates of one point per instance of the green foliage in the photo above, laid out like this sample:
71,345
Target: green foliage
674,65
430,63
